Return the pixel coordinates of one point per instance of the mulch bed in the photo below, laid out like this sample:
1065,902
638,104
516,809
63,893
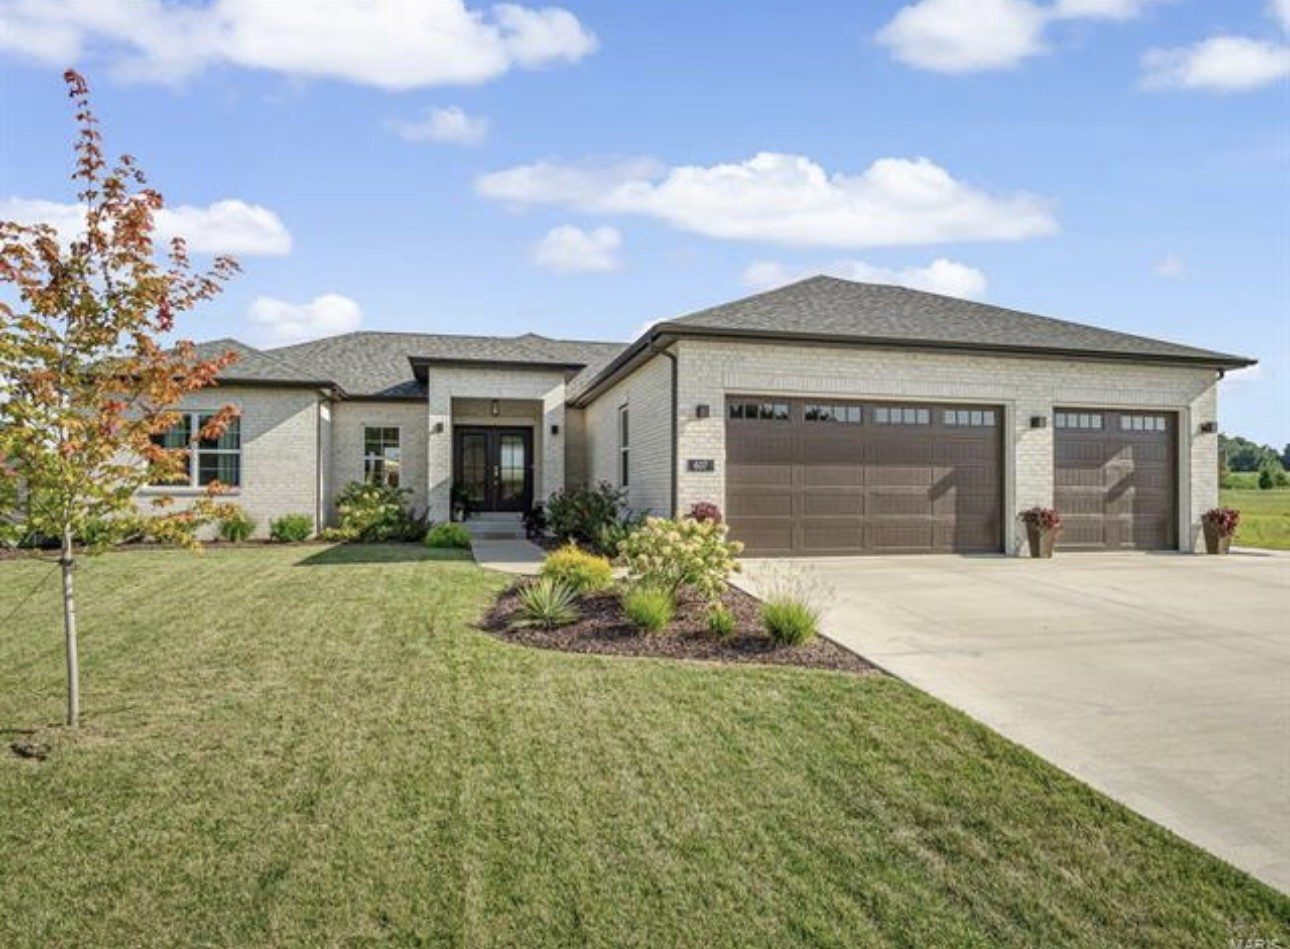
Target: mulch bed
603,629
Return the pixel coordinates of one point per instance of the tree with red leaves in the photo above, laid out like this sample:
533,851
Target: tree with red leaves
87,385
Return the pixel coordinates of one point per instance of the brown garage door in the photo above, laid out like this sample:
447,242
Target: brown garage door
829,476
1116,479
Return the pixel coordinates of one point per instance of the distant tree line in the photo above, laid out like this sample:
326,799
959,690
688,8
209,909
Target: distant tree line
1241,454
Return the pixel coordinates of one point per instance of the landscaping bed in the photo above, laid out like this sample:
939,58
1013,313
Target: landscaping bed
602,628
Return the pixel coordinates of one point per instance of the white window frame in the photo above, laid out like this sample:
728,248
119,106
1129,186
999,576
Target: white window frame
194,417
383,458
624,446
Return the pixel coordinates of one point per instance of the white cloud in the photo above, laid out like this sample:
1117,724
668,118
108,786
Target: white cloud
279,322
230,226
784,199
1220,63
943,276
1170,267
960,36
1279,10
570,249
393,44
450,125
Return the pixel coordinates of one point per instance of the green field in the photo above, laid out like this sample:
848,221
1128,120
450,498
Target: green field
1265,515
313,746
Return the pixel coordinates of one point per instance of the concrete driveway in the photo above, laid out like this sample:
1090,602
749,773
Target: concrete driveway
1162,680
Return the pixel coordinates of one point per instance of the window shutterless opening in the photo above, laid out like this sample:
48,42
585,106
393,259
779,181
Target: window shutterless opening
624,447
210,460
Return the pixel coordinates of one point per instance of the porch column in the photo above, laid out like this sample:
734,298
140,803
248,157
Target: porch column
550,474
439,451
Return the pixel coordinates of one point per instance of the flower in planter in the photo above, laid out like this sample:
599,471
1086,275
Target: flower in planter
1042,518
1225,520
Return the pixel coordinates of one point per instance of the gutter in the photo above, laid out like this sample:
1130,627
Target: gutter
671,356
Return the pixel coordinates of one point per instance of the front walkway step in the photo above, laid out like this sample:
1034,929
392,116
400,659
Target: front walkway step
495,526
521,557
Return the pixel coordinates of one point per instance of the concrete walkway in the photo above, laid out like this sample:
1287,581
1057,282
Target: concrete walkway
1161,680
521,557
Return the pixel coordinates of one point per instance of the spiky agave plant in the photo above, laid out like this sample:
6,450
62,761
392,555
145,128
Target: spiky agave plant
548,603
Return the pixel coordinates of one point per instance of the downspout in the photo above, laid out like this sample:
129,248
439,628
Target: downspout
653,348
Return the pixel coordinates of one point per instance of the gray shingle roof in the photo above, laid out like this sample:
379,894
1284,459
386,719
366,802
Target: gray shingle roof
844,309
377,364
255,364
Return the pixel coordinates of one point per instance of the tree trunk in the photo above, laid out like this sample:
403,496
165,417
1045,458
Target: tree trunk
69,634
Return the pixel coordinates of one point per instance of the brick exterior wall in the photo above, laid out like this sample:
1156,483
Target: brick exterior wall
280,472
710,370
452,391
349,418
647,393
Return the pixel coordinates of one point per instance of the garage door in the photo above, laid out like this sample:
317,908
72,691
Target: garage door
828,476
1116,479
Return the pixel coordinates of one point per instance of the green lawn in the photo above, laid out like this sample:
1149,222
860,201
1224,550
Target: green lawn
312,746
1265,516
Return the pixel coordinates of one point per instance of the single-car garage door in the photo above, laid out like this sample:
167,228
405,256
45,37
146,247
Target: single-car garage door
829,476
1116,479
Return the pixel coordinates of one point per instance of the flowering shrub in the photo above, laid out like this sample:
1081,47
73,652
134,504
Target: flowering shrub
705,511
374,512
1043,518
586,515
583,571
1224,519
684,553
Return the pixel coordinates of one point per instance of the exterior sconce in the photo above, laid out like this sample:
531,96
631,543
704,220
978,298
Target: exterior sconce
494,408
555,429
436,428
702,410
1038,421
1209,428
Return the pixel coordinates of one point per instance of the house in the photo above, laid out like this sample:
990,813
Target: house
824,417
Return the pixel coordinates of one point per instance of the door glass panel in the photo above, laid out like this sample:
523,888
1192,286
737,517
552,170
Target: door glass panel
474,465
511,464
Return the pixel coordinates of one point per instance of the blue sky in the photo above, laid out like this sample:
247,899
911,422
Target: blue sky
592,167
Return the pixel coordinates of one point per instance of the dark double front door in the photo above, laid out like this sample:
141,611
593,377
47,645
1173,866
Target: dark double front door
494,466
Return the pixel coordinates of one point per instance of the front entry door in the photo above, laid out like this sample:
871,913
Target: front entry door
495,467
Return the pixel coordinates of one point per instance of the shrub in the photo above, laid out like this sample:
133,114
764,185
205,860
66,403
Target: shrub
291,528
1282,478
448,536
236,526
585,572
721,622
705,511
1224,519
535,521
1267,480
1044,518
792,604
548,603
370,511
613,535
583,514
649,607
684,553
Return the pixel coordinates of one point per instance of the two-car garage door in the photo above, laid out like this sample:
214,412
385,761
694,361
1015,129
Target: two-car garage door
829,476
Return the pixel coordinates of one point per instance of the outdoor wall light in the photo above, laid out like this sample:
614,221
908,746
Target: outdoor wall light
1039,421
555,429
1209,428
436,428
702,410
494,408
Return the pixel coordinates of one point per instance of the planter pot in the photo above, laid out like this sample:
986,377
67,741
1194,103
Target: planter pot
1215,542
1041,541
